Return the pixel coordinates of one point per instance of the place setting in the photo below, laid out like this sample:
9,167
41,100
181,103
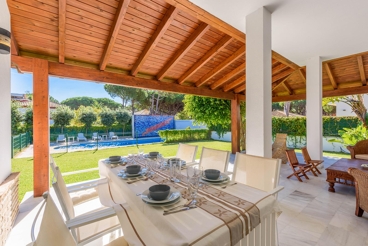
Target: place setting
216,177
133,173
116,160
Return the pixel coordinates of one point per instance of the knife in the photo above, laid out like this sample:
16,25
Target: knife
180,210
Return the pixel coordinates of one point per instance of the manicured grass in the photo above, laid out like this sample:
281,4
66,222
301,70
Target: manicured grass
330,154
81,160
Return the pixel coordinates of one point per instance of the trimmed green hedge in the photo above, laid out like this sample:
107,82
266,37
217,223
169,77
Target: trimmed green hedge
296,126
172,136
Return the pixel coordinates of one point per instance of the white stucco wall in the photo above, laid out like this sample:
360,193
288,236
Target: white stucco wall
342,109
5,128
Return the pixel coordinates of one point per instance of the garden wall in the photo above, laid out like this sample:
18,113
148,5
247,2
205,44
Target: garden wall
183,124
149,125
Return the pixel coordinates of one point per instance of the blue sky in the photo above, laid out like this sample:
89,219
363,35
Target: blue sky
60,89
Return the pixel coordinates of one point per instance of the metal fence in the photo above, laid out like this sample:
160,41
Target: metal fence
20,142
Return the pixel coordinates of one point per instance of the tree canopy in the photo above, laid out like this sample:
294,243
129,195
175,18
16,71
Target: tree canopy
62,116
107,117
87,116
16,117
76,102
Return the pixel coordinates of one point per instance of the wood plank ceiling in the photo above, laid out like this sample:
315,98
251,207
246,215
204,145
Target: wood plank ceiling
165,41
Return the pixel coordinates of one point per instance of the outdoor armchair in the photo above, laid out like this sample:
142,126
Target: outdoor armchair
53,230
88,220
81,137
61,138
359,150
258,172
112,135
214,159
187,153
361,190
95,136
308,160
299,169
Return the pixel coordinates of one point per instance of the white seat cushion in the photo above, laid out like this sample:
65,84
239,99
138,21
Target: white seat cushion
362,156
83,196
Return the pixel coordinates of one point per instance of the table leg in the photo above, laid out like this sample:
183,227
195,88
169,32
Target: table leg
331,188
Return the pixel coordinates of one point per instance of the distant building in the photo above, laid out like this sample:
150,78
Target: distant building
25,103
342,109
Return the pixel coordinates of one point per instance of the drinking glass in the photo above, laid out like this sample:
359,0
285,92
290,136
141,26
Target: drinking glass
175,169
193,177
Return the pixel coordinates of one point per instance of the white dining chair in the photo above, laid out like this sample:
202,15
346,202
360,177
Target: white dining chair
53,231
88,220
258,172
187,152
214,159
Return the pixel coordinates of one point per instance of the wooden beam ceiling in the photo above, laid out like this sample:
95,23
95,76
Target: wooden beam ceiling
288,88
228,76
88,74
240,88
361,70
330,75
189,43
234,84
14,46
280,82
156,37
302,75
283,60
240,52
204,59
62,24
114,31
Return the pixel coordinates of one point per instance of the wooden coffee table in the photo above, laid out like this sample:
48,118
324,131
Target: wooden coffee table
338,172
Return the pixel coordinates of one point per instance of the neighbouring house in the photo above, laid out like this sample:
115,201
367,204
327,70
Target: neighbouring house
342,109
25,103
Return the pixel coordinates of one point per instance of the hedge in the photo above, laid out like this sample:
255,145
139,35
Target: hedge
171,136
296,126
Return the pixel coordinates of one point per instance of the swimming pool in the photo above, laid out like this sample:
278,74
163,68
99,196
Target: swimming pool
110,144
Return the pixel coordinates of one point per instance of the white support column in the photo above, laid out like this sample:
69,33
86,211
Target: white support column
5,127
258,92
314,108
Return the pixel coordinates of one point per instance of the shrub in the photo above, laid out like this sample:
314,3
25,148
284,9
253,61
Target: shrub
172,136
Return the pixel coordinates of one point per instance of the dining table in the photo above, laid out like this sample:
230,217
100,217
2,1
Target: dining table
233,214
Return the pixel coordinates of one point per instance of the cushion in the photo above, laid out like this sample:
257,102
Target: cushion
362,156
118,242
83,196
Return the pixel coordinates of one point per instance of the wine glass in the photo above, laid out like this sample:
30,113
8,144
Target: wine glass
175,169
193,177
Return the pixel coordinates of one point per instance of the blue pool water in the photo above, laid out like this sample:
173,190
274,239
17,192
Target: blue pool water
109,144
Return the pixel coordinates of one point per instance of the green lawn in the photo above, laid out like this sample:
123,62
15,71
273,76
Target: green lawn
80,160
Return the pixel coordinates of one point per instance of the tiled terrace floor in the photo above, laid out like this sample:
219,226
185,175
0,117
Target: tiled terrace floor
311,215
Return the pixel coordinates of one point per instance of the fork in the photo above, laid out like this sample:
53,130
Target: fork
184,205
224,187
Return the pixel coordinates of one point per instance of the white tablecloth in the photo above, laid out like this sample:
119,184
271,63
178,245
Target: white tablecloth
193,227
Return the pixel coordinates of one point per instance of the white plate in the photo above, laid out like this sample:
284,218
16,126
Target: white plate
173,196
364,165
223,177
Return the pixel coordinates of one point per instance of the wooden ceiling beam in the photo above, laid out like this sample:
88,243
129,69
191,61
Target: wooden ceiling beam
330,75
204,59
62,24
95,75
189,43
240,88
234,84
14,46
288,88
302,75
240,52
114,32
279,68
282,75
283,60
280,82
154,40
228,76
361,70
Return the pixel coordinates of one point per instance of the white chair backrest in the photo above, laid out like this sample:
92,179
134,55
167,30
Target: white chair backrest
111,134
187,152
258,172
63,195
53,230
80,135
95,134
214,159
53,165
61,136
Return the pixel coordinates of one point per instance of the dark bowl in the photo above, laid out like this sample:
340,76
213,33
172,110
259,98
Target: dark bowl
159,192
115,158
212,173
133,169
153,154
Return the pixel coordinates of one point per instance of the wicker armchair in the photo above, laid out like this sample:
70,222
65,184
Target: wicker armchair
279,147
359,150
361,190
